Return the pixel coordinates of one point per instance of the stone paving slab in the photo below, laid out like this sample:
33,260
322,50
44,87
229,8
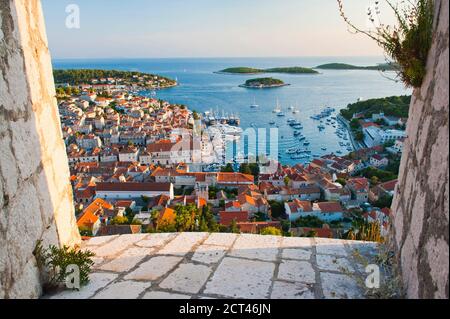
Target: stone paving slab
221,239
338,286
126,260
156,240
330,247
241,278
154,268
299,271
97,282
287,290
183,244
211,266
256,247
296,253
187,278
333,263
209,254
123,290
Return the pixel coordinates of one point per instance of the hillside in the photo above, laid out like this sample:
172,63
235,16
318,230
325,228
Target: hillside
393,106
88,76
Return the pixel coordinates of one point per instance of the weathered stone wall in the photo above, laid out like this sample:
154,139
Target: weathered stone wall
36,197
420,209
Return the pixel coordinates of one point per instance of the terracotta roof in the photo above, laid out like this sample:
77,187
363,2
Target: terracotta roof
124,187
389,186
227,217
330,207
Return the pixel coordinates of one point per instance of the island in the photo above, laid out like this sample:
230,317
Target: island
125,79
344,66
288,70
263,83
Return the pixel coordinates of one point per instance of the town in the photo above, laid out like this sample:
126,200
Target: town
136,166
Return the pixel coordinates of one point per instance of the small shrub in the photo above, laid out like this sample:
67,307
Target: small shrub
56,260
271,231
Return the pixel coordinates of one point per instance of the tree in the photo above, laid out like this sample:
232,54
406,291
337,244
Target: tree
233,227
245,169
120,220
271,231
287,180
228,168
384,201
341,181
277,208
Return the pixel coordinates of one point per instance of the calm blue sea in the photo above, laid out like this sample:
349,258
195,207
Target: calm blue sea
201,90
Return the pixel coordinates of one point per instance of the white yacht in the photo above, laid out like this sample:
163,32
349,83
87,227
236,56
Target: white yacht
277,109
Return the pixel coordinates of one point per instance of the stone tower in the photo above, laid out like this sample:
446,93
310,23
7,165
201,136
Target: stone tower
36,202
420,208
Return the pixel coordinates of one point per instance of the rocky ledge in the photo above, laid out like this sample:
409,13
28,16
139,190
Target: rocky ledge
205,266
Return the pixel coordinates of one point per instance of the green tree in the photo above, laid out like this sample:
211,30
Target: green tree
277,208
341,181
245,169
120,220
228,168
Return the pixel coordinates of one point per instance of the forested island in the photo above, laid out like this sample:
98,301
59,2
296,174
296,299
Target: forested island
391,106
262,83
78,77
344,66
288,70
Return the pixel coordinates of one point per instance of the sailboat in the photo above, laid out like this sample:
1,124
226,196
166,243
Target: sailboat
277,109
254,105
295,109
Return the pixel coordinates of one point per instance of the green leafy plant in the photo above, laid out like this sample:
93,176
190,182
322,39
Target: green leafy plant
407,43
55,261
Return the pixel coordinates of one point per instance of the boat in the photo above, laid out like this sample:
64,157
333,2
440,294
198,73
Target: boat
254,105
281,114
302,138
277,108
297,133
324,148
272,122
307,143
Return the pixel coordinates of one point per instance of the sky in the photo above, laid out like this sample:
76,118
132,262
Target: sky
207,28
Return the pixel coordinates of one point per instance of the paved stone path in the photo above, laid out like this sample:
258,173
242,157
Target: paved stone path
202,265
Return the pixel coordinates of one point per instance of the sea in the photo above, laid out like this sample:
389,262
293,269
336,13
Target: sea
201,89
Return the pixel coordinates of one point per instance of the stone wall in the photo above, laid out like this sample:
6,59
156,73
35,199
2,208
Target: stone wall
36,197
420,209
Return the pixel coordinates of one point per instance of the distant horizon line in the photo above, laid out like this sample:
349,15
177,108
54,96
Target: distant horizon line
220,57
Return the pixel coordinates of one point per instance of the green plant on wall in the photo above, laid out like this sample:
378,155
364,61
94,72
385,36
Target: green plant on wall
407,43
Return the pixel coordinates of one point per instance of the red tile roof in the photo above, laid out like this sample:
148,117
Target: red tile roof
227,217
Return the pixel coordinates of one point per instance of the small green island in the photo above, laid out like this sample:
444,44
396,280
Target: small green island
287,70
344,66
263,83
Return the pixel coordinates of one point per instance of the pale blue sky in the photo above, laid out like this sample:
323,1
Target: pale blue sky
206,28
